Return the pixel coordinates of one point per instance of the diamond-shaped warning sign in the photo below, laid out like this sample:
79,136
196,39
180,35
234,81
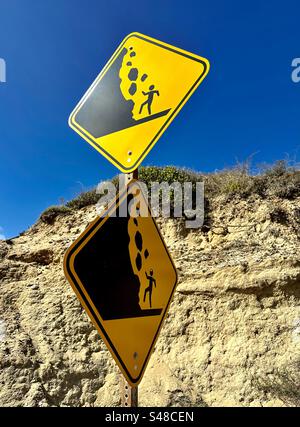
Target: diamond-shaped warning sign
124,276
135,97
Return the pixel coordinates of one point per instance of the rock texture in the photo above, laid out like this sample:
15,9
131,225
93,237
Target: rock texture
235,317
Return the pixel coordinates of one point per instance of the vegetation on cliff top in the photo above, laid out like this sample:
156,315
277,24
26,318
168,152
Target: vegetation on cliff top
241,181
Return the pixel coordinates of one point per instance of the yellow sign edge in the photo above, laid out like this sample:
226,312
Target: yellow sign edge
89,138
67,257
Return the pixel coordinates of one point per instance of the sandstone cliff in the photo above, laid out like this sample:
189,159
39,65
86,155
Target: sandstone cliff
235,318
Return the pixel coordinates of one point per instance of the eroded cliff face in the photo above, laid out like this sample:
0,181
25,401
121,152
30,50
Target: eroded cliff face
235,317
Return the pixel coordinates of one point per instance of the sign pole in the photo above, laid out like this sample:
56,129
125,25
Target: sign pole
129,176
129,395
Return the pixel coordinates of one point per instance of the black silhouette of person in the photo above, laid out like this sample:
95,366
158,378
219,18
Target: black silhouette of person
149,101
149,289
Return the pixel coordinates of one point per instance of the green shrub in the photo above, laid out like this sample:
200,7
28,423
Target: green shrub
49,215
280,180
167,174
86,198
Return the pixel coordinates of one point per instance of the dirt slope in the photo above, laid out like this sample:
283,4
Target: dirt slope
235,316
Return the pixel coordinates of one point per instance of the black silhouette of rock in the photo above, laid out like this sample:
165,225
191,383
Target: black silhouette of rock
132,89
133,74
138,261
139,240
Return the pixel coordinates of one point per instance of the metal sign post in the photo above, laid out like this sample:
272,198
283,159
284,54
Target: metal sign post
130,176
129,395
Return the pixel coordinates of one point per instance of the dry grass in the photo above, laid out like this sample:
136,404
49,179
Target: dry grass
279,180
284,384
49,215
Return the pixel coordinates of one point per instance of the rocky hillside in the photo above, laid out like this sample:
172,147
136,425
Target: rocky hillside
233,325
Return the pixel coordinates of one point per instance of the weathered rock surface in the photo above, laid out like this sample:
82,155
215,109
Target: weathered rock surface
235,317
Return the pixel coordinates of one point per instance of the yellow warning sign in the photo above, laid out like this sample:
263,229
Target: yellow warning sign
124,276
135,97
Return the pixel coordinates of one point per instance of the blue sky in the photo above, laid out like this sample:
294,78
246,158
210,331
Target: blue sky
55,48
